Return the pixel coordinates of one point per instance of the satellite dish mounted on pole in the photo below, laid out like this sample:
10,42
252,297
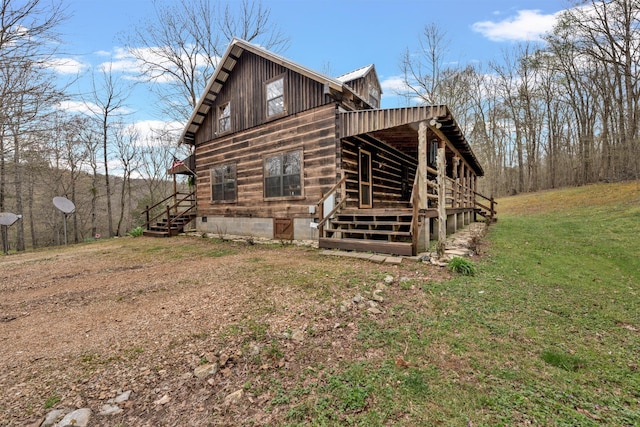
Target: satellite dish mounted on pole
7,219
67,207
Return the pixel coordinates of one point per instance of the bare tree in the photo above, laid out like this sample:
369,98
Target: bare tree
26,24
507,83
107,104
27,29
608,34
33,94
75,157
423,71
127,144
179,46
89,137
156,153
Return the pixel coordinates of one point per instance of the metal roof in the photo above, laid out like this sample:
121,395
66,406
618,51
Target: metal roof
355,74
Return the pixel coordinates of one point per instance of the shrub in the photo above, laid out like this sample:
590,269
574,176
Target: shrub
462,266
136,232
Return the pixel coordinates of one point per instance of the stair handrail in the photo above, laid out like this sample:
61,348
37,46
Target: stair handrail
167,211
322,219
178,216
491,210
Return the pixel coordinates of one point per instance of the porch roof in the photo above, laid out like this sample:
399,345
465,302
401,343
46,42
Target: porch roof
399,127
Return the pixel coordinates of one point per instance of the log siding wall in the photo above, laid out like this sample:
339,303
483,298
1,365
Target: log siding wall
313,132
387,166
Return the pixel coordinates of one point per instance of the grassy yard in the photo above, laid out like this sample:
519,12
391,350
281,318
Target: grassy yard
547,332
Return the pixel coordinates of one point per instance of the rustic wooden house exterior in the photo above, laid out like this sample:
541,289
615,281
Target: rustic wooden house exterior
284,152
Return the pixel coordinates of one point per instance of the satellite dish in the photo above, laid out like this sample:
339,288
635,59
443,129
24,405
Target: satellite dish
8,218
65,205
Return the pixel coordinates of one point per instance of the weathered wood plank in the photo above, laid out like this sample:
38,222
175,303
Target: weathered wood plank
312,132
392,248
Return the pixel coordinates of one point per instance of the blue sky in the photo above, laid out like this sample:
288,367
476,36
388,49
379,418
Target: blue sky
341,35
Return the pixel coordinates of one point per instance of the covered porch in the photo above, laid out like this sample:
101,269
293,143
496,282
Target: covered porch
407,176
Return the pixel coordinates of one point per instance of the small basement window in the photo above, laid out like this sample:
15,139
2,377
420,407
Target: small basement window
283,175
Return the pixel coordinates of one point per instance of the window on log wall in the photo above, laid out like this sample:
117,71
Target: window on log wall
224,183
283,175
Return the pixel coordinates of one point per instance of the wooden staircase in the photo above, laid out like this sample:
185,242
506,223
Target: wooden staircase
169,227
370,230
487,209
173,219
393,231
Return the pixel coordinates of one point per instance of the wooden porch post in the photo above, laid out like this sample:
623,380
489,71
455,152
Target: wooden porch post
463,185
473,184
456,183
423,232
422,164
442,197
463,191
467,187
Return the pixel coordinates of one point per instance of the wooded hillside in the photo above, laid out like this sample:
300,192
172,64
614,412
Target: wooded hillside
43,224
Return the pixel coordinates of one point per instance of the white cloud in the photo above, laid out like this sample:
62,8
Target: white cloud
155,131
77,107
121,62
393,85
527,25
90,108
129,64
67,65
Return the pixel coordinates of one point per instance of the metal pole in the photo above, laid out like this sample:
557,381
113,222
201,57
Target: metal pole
5,239
65,228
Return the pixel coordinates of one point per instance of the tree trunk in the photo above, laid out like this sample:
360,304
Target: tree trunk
106,175
18,188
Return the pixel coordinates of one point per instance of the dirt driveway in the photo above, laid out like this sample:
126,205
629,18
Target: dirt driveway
81,325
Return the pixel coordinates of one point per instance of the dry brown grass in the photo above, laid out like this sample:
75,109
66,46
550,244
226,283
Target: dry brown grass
567,199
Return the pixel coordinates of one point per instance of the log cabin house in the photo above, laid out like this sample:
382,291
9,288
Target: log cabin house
284,152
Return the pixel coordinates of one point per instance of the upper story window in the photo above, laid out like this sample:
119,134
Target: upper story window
224,118
374,96
275,97
223,183
283,175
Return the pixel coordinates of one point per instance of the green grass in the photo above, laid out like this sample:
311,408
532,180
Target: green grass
51,401
545,333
